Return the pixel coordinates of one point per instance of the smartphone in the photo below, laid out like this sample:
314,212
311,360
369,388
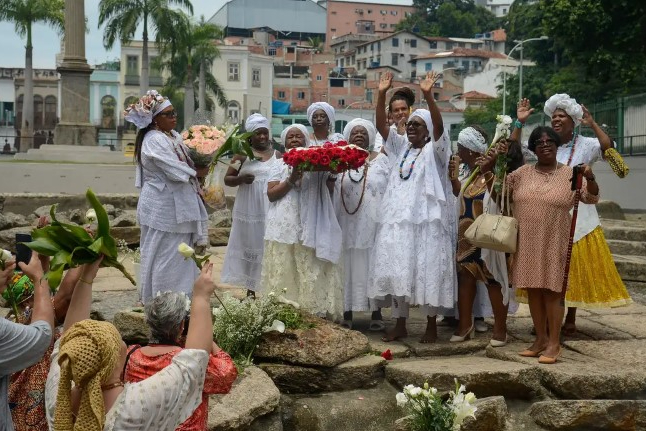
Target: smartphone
456,170
23,253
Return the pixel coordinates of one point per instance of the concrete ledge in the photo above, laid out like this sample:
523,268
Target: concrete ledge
74,153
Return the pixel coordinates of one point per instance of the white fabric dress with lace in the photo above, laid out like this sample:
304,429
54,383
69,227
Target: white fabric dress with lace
359,229
314,283
243,260
414,251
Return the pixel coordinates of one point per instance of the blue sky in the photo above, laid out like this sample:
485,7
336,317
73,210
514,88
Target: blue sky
47,42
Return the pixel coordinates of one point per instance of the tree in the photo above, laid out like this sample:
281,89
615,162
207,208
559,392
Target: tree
122,17
24,13
189,47
449,18
316,43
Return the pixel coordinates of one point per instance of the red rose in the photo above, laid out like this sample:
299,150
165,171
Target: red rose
387,355
328,145
342,143
314,157
325,160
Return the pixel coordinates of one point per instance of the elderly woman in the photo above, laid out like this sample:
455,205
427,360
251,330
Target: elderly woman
602,287
243,260
303,237
358,199
399,108
170,210
414,256
543,198
166,316
85,390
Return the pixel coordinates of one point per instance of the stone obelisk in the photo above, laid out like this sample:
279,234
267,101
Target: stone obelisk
74,127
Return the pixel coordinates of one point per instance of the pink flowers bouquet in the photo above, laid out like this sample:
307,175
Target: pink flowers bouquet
203,142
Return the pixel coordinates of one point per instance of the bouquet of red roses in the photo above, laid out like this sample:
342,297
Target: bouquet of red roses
331,157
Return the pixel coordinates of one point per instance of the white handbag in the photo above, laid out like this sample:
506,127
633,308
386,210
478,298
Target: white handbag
495,231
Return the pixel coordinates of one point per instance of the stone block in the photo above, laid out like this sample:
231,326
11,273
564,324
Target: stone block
132,326
590,415
610,210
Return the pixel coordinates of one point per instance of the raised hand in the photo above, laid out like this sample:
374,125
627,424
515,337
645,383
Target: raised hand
401,126
385,82
487,161
429,81
34,269
587,119
523,110
204,284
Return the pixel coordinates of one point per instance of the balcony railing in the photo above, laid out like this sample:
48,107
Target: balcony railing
132,79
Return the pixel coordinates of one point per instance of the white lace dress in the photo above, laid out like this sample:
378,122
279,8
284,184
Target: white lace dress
313,283
414,251
359,229
243,260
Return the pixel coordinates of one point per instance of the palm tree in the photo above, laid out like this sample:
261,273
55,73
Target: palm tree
24,13
316,43
123,16
188,47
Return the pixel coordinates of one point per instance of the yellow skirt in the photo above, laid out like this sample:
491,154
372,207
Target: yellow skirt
594,281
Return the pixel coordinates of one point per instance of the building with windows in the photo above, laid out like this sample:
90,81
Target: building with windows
105,102
379,17
130,72
46,97
7,106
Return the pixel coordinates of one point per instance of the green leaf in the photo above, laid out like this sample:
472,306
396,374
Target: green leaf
101,216
44,246
96,245
62,258
54,277
83,255
109,247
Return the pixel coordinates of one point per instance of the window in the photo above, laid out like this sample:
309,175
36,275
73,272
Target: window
436,96
408,14
333,30
132,65
234,71
465,65
383,25
341,63
301,95
432,45
50,111
413,43
504,11
38,111
428,67
461,45
383,12
255,77
333,12
372,47
357,83
108,105
449,45
271,51
378,46
281,94
393,12
341,102
369,95
233,112
319,78
395,42
394,59
393,25
369,10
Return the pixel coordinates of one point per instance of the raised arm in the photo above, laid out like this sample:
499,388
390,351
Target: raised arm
81,302
381,118
602,136
43,309
200,330
427,85
523,111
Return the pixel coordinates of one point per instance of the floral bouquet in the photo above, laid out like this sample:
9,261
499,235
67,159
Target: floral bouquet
203,142
328,157
428,411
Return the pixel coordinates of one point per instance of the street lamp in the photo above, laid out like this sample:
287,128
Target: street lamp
520,72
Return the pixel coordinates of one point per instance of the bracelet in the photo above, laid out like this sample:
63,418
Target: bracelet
518,124
490,177
109,386
85,281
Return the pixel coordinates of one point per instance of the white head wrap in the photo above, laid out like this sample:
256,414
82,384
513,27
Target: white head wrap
300,127
148,106
472,140
326,107
256,121
566,103
425,115
372,132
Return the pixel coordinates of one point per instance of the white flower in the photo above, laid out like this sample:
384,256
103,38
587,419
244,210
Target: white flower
402,399
502,128
470,397
5,255
415,392
463,411
90,215
185,250
276,325
271,294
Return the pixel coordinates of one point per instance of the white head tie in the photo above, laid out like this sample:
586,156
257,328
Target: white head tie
300,127
472,140
372,132
256,121
566,103
326,107
425,116
142,112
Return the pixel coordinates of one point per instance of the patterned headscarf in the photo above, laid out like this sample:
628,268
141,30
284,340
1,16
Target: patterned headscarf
303,129
256,121
566,103
372,132
89,352
326,107
473,140
148,106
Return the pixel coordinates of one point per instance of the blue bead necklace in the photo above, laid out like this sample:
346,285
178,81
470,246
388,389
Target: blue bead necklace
412,165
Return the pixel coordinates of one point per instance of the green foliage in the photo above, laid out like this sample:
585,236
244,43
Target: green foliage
236,143
292,318
449,18
24,13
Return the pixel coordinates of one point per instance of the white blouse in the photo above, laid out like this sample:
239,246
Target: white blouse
168,398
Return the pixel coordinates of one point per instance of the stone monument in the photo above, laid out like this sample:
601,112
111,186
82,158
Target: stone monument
74,127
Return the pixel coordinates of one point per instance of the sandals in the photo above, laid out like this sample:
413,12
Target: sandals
377,326
550,359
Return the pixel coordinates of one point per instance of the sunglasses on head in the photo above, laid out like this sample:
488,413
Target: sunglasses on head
169,114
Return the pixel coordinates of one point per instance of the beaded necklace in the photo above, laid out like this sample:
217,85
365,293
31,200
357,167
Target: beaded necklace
412,166
363,174
363,191
569,160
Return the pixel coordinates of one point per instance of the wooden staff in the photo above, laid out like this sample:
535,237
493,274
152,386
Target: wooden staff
577,182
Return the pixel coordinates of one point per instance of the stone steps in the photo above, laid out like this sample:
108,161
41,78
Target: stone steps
627,248
631,268
624,232
627,242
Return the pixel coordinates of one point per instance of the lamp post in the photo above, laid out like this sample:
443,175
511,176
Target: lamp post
520,72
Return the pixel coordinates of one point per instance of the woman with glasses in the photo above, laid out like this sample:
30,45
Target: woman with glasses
414,251
543,197
170,209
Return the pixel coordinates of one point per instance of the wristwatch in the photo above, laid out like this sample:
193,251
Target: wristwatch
518,124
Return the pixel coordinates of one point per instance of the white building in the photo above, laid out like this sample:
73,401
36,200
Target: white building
130,72
490,77
7,106
247,80
497,7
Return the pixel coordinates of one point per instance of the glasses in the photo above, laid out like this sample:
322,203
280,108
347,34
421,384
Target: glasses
169,114
414,124
545,142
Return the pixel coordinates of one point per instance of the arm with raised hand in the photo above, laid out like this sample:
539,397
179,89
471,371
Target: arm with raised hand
200,330
81,302
523,111
43,308
427,85
588,121
381,118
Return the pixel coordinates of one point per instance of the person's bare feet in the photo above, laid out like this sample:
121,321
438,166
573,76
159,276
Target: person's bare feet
430,336
397,333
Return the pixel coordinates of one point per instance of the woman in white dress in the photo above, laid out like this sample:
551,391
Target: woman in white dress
84,390
302,236
321,116
357,199
243,260
170,210
414,251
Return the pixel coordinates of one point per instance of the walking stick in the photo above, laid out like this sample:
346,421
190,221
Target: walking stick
577,182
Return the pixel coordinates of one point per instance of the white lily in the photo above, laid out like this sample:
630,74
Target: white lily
5,256
90,215
185,250
276,325
402,399
502,128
